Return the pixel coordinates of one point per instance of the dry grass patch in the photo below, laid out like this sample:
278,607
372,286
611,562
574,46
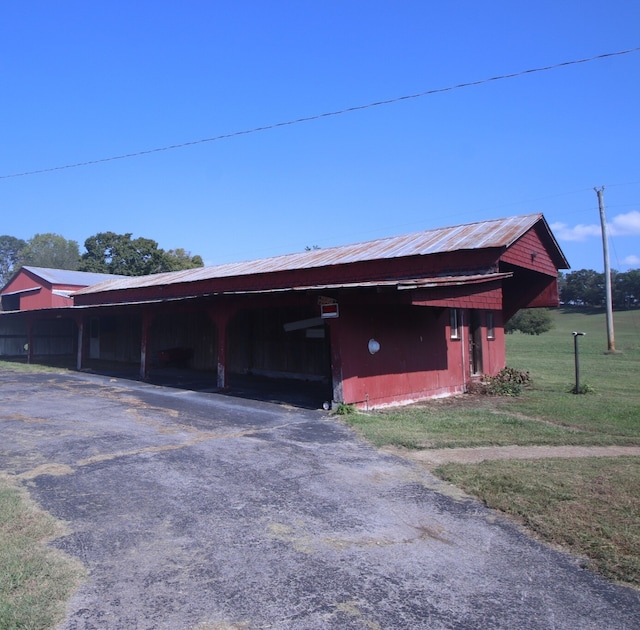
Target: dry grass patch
589,506
35,580
22,366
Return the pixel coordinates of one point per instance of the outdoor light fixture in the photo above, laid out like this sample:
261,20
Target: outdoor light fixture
373,346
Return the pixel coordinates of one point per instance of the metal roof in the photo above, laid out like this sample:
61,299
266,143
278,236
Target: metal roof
497,233
400,285
66,276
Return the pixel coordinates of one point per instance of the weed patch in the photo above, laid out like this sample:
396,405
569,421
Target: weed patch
507,382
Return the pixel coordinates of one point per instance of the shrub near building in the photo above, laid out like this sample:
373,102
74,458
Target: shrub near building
530,321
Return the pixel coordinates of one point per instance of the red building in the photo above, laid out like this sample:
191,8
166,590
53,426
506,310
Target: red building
383,322
38,287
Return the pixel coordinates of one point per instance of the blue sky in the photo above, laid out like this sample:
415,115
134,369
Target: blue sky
83,81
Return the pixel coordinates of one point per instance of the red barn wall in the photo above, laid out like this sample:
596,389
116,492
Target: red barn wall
414,360
417,357
493,350
44,298
41,299
530,253
21,282
485,296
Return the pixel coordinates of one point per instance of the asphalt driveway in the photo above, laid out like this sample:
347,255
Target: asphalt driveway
195,510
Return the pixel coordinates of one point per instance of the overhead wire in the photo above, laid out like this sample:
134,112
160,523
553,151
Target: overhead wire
338,112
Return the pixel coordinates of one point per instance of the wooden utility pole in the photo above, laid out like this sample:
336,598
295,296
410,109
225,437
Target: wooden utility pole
607,272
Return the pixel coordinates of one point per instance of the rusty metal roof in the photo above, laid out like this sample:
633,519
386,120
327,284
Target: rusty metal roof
497,233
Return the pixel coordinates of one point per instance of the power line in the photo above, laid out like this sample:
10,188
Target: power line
326,114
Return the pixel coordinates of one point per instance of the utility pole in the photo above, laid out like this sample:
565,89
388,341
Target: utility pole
607,273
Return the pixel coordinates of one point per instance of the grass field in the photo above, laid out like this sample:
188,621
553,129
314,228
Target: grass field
614,406
590,506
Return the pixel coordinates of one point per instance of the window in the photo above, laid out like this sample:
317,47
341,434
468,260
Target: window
455,315
491,333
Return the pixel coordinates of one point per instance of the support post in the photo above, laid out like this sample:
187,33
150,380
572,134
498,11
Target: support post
221,315
223,346
144,346
80,350
577,360
611,342
335,326
29,348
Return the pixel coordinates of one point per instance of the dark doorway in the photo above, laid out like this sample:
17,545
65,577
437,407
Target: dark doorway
475,341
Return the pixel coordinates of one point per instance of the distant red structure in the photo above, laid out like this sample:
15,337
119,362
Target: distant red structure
39,287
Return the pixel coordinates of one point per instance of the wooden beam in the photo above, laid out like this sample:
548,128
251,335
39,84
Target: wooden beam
304,323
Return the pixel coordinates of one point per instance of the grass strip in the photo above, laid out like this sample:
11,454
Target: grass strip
469,421
21,366
589,506
36,580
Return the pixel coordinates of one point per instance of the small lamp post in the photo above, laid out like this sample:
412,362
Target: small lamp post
577,359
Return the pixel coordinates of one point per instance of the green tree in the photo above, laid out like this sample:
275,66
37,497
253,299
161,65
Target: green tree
51,250
530,321
108,252
10,249
584,287
626,289
179,259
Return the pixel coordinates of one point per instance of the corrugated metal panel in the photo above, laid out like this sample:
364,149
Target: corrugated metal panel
498,233
414,283
66,276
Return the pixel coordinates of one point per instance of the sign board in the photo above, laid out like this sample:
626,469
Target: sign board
329,310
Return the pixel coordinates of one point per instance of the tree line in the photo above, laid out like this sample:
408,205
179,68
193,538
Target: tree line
106,252
587,288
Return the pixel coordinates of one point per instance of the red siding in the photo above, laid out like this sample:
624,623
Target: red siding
412,362
493,350
487,296
44,298
417,358
529,252
21,282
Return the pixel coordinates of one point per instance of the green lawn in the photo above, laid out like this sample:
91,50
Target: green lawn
592,505
614,406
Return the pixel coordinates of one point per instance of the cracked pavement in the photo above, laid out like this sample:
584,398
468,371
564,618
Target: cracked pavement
200,511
